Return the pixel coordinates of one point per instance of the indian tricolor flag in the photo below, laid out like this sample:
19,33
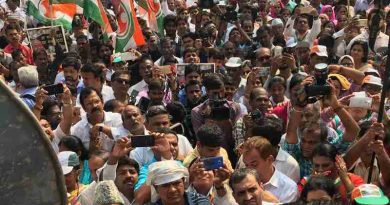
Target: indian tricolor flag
58,12
129,34
150,10
94,9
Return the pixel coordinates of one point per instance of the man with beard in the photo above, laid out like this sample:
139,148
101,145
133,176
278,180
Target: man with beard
264,36
71,75
94,129
93,76
145,68
167,50
55,124
127,169
13,33
104,53
193,99
133,123
83,48
235,69
47,70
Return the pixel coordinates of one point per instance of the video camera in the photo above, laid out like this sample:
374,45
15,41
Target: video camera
207,4
218,109
257,115
231,14
319,88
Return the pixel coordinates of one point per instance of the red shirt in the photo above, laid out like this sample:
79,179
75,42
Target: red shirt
282,111
26,51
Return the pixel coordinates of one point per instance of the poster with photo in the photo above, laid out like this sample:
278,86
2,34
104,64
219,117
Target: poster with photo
204,69
41,38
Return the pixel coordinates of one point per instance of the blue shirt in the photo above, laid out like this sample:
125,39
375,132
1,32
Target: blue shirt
30,102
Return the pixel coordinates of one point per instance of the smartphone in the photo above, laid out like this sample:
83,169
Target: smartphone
362,23
360,102
212,163
287,50
128,56
54,89
264,71
142,141
278,51
306,10
166,69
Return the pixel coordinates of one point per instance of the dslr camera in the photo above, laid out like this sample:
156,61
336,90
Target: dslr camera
207,4
320,87
219,110
231,14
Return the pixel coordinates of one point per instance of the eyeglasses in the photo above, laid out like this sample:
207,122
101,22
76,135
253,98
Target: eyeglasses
263,58
122,81
350,65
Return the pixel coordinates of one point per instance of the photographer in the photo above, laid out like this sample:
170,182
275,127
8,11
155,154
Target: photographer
304,130
217,110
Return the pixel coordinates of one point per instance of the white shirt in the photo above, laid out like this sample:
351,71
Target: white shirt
82,128
382,40
310,35
145,155
142,85
107,94
286,164
161,60
58,135
282,187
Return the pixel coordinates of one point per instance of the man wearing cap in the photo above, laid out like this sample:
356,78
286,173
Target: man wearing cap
303,31
106,193
318,54
170,179
372,84
302,53
340,82
234,69
70,166
277,27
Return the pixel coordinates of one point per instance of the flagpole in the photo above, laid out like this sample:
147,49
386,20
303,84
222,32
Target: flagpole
51,12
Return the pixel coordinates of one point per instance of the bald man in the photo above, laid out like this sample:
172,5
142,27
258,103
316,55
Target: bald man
259,99
133,123
263,57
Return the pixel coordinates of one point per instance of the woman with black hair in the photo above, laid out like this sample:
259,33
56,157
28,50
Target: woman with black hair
318,188
359,53
326,162
74,144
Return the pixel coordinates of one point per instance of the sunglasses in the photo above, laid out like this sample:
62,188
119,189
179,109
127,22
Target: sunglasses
122,81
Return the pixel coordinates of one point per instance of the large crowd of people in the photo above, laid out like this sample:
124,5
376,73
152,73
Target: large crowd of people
236,102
